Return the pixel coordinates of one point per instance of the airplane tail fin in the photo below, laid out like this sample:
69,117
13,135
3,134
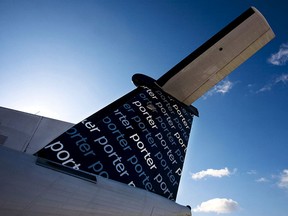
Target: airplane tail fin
140,139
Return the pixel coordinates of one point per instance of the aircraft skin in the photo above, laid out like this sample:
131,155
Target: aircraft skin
127,158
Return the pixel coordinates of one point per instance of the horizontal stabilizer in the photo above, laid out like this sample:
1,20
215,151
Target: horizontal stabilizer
219,56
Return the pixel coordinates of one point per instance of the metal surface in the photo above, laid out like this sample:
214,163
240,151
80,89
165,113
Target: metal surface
27,189
27,132
218,57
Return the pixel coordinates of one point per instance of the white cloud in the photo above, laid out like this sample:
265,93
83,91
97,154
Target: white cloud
283,183
252,172
222,88
281,57
211,172
217,205
280,79
265,88
261,180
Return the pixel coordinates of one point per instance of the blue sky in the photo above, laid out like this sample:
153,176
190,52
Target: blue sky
67,59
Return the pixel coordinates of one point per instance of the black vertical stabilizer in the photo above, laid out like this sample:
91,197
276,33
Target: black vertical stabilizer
140,139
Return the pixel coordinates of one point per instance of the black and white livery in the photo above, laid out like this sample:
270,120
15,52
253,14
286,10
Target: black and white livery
127,158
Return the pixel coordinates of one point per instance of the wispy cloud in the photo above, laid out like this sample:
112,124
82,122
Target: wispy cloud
281,57
262,180
265,88
222,88
218,206
278,80
282,79
283,182
219,173
252,172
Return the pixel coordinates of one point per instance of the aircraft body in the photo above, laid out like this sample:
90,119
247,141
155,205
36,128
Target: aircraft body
127,158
